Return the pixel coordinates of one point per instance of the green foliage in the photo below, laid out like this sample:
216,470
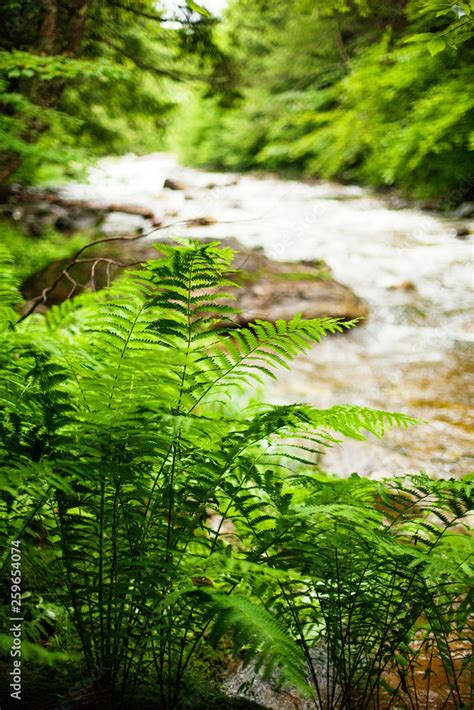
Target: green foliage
453,24
9,289
31,254
92,77
374,94
25,65
383,133
159,519
373,596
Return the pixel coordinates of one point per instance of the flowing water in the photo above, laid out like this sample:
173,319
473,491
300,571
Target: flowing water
413,354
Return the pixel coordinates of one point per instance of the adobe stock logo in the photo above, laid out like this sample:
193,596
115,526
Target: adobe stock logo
16,619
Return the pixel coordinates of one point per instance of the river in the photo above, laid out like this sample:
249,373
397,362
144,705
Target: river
414,354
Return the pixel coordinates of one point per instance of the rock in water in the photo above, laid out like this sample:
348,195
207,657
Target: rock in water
270,299
271,290
172,184
203,221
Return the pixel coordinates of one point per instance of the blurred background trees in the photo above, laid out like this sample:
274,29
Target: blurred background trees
93,76
356,90
374,92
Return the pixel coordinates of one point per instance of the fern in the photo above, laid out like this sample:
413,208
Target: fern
163,519
254,628
372,590
9,289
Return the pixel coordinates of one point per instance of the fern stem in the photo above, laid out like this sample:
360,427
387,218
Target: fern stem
112,576
19,535
304,644
100,580
346,697
137,567
81,629
448,662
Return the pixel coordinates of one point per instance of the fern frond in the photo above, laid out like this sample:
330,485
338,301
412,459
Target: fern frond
162,506
253,353
265,641
9,289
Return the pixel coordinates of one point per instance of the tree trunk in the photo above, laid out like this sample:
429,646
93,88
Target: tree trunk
47,35
76,27
47,93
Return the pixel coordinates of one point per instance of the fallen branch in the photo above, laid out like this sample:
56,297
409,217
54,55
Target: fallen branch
43,296
144,212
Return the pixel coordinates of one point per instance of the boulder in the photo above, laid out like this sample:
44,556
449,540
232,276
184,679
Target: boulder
265,289
271,290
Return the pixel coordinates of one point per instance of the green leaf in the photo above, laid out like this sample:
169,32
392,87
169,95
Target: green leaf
419,37
436,45
198,8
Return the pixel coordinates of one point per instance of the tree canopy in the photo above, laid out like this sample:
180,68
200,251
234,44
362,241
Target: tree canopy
367,91
91,74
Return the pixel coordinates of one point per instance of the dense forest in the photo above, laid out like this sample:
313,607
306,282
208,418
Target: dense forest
86,78
374,92
169,539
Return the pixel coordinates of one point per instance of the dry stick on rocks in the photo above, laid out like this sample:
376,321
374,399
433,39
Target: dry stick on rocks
95,262
42,297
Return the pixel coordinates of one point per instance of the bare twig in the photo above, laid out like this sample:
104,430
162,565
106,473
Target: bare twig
43,296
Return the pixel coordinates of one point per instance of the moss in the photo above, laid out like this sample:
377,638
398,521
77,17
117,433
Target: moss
321,274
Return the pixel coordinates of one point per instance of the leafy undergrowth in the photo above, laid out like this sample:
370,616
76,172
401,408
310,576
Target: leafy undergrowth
32,254
160,517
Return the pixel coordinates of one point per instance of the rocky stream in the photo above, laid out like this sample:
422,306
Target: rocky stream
413,269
